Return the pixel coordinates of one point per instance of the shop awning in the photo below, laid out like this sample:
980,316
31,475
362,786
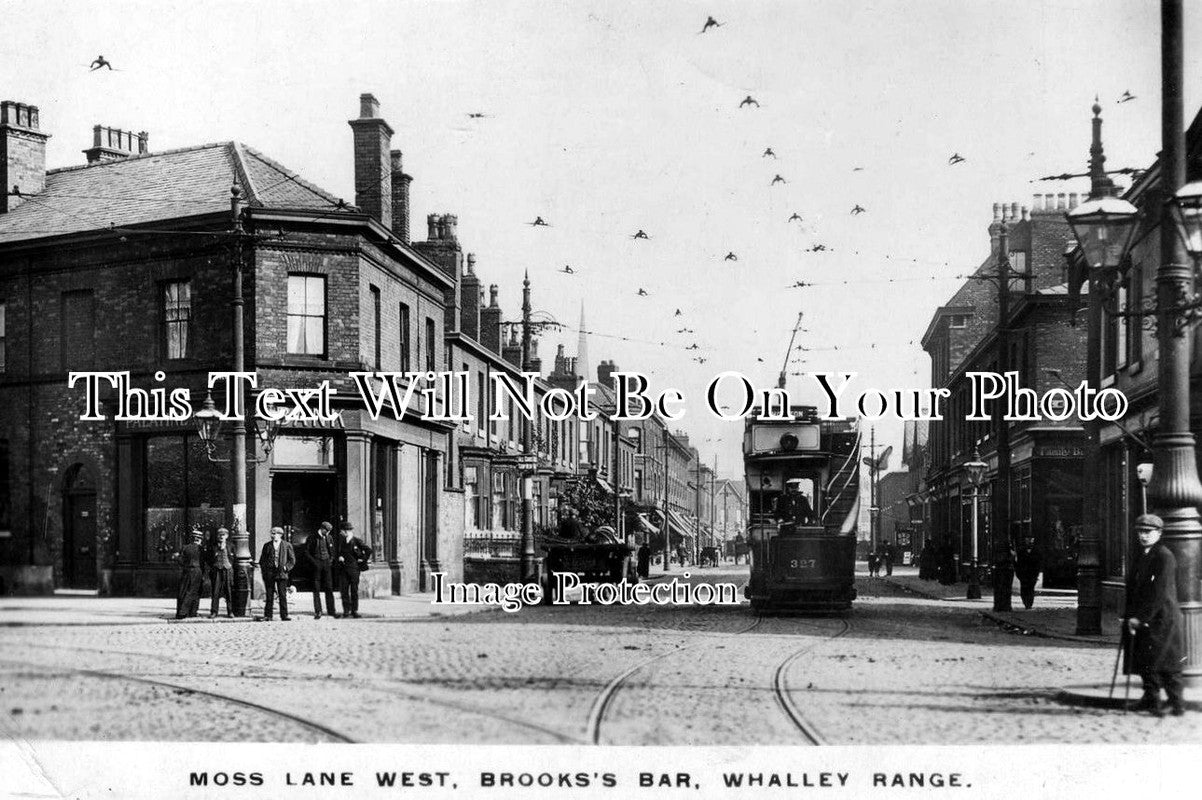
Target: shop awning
679,525
645,524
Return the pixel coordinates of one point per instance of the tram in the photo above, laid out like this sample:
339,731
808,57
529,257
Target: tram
810,565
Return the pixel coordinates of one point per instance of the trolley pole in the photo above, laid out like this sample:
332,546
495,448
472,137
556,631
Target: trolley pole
529,565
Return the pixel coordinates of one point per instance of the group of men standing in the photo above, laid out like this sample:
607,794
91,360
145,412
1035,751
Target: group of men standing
332,558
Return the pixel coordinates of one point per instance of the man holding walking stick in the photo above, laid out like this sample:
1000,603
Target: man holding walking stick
1153,635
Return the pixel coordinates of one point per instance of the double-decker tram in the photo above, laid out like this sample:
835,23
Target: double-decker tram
803,551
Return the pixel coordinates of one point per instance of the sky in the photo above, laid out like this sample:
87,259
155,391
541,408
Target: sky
605,118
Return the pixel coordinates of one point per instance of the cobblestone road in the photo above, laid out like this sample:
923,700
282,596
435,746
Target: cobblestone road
903,669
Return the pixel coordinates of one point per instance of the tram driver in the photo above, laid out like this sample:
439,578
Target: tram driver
793,508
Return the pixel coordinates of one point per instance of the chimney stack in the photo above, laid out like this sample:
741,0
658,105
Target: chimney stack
114,144
373,161
512,349
605,371
400,198
470,316
490,323
995,228
22,153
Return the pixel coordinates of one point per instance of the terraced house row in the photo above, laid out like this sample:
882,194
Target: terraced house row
127,263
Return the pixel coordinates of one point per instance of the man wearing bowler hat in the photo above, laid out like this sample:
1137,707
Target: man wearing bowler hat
1153,634
351,557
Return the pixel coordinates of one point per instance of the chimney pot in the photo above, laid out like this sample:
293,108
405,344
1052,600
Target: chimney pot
1026,214
1060,202
471,263
22,153
1072,200
369,106
997,212
1037,202
1014,211
431,227
492,295
1049,202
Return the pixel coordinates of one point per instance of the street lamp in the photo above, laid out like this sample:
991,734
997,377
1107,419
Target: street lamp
1143,472
1105,228
976,470
208,428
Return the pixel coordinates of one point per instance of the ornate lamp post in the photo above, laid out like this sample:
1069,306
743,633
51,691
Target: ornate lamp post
976,470
1104,227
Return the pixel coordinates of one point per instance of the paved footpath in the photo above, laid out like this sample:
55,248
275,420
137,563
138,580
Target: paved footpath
901,668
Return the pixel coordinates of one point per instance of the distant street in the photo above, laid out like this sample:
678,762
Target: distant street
900,669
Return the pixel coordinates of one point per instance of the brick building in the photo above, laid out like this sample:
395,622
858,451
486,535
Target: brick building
1046,491
126,264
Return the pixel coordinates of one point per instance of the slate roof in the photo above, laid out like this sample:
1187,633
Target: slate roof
187,182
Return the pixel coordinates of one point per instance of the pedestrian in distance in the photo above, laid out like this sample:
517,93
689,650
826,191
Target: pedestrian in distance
874,564
1153,633
276,561
644,560
889,555
220,558
352,557
191,577
1027,566
319,549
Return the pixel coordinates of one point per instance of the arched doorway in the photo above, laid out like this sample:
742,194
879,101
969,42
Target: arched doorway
79,528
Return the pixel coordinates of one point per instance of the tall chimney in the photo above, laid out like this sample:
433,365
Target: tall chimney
400,198
995,229
470,316
114,144
22,153
373,161
490,323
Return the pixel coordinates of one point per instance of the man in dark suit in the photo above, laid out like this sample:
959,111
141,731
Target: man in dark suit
191,577
276,560
1153,633
319,548
351,557
220,558
1027,566
792,507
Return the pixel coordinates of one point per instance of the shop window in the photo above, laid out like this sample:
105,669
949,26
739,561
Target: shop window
183,490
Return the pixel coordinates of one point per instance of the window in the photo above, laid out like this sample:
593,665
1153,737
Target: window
177,318
307,315
1018,261
430,345
406,342
481,403
78,330
3,336
472,501
1121,343
957,321
182,490
1135,302
375,317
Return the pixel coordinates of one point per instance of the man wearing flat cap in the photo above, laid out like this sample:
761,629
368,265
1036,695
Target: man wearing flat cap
276,561
319,549
220,558
1153,634
191,577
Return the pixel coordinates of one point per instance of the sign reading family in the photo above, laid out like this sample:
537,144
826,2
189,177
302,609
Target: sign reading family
446,396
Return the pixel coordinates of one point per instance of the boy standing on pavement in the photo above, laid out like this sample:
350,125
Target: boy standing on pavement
221,571
320,550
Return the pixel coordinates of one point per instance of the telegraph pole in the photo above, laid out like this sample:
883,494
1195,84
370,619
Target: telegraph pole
239,536
667,527
529,565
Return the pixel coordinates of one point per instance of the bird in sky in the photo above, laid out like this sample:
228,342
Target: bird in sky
1127,97
818,248
478,115
693,346
685,330
858,209
539,222
710,22
99,63
768,152
801,285
777,179
567,270
699,360
677,314
956,158
642,292
857,169
749,101
731,256
796,217
640,235
760,360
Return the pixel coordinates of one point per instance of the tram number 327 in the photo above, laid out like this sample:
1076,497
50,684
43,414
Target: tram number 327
803,563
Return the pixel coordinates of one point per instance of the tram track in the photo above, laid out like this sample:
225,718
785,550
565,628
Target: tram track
605,698
784,695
